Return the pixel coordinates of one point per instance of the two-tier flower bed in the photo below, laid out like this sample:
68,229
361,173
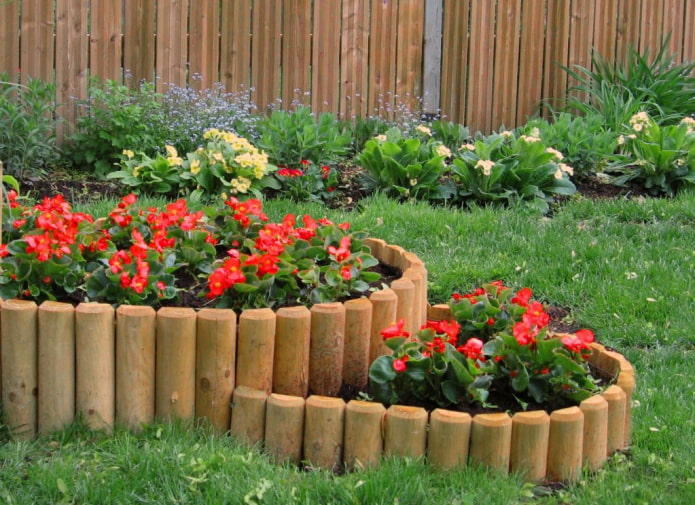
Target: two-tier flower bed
273,378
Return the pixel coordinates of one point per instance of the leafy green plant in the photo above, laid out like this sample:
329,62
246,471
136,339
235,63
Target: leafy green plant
158,175
226,164
27,138
288,137
511,168
405,167
115,118
451,134
584,141
658,86
498,341
364,129
308,183
661,158
146,257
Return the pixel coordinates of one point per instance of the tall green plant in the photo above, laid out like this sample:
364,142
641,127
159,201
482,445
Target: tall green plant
658,86
27,136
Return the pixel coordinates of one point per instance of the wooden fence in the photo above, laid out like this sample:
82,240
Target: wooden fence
478,62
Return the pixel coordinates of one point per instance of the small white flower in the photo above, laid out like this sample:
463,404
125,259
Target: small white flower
621,140
413,182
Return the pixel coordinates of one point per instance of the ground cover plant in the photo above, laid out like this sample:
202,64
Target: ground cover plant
621,267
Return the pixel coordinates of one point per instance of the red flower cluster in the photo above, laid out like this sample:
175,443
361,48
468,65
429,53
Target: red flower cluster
290,172
579,341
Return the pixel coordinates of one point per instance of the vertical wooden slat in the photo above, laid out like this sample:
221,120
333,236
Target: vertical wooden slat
296,53
432,57
354,57
606,29
454,60
556,52
674,19
172,45
9,39
72,64
204,43
628,28
382,56
235,58
531,58
581,37
139,40
37,52
265,52
480,66
689,31
325,57
650,26
411,15
105,47
506,63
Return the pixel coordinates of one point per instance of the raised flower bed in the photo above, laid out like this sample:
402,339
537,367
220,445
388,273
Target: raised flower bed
131,365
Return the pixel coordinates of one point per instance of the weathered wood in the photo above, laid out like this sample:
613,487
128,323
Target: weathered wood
565,444
256,349
448,438
327,348
324,423
284,428
364,434
491,439
292,347
529,449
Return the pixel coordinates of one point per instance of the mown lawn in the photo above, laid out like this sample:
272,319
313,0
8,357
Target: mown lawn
622,267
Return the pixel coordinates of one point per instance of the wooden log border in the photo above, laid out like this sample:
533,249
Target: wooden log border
234,397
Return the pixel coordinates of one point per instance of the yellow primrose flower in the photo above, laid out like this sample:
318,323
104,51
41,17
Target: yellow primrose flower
128,153
423,129
443,150
485,166
195,166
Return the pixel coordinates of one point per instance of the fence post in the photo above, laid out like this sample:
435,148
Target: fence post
56,366
95,382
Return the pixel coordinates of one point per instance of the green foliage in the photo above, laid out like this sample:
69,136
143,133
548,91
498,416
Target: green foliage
288,137
308,183
658,86
158,175
452,135
364,129
115,118
405,167
27,136
583,140
661,158
511,169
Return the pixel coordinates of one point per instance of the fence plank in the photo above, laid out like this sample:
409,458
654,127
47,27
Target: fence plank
325,80
506,63
105,50
382,57
409,53
9,40
689,32
354,57
265,52
171,55
674,19
480,65
72,62
432,57
235,60
628,28
204,43
581,37
296,54
139,40
454,60
606,29
36,52
650,26
556,50
531,58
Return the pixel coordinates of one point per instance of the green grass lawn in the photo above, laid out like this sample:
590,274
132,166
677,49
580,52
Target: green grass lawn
623,268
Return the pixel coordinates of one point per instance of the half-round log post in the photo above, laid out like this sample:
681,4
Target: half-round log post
616,398
324,424
364,434
595,440
565,444
491,440
292,344
405,431
19,367
358,328
248,415
135,365
95,360
215,366
327,348
56,366
384,310
256,349
284,428
529,450
448,438
406,307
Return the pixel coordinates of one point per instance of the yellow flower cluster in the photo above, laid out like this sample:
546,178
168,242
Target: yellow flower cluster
173,157
240,185
639,121
253,159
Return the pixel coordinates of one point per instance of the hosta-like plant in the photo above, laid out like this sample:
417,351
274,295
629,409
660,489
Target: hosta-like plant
511,168
405,167
661,158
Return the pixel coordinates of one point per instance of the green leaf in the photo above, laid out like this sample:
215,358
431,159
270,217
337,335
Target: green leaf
521,381
382,370
241,287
